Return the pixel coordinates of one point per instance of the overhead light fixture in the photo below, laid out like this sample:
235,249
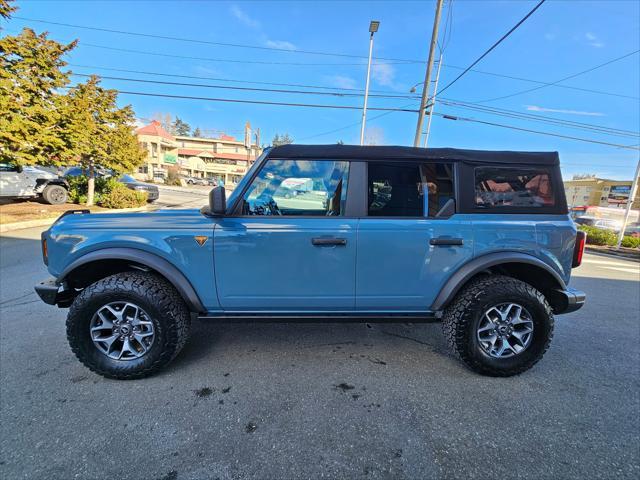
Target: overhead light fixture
373,26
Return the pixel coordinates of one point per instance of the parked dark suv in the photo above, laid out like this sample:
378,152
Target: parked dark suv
480,240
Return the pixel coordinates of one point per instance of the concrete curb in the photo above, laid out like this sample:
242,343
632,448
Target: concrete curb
610,254
45,222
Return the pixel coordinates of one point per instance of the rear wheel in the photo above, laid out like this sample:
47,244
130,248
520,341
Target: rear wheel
55,194
499,326
128,325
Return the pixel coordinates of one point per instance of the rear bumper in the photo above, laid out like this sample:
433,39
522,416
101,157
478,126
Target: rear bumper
50,292
569,300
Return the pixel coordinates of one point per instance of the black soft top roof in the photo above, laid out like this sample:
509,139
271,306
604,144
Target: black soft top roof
356,152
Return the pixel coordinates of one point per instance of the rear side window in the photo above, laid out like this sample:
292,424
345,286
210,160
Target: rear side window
497,187
408,190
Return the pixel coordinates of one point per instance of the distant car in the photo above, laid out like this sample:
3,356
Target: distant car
32,182
603,223
633,230
196,181
152,191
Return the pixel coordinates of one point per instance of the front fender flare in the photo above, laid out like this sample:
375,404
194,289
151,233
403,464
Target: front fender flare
150,260
477,265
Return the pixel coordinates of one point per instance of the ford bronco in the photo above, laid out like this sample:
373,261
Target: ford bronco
480,240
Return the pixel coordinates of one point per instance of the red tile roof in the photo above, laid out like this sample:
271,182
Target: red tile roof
154,128
188,151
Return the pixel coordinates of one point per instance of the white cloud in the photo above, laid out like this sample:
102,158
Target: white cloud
384,74
374,136
243,17
280,44
340,81
593,40
536,108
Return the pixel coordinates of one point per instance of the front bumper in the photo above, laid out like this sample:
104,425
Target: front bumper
569,300
50,292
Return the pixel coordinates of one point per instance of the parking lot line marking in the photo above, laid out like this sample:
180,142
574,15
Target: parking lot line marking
605,262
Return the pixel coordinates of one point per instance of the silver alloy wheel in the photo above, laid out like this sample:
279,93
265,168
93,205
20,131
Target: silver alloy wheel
505,330
122,331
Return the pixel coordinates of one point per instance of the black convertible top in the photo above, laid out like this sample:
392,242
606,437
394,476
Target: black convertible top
413,153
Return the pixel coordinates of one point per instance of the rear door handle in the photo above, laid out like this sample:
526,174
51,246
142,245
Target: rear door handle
328,241
446,241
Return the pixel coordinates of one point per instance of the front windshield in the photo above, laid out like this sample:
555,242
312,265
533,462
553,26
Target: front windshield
127,179
243,182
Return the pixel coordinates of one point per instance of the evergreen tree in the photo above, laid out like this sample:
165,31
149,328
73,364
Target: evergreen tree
197,133
283,139
97,132
180,127
29,105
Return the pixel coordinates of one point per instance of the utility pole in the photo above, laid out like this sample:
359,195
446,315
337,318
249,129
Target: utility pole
432,103
632,196
373,28
427,76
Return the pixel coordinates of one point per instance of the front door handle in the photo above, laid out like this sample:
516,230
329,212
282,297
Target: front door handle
328,241
446,242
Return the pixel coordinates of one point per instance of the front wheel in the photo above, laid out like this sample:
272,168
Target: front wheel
128,325
499,326
55,194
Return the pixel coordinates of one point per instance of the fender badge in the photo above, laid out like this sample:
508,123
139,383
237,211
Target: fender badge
201,239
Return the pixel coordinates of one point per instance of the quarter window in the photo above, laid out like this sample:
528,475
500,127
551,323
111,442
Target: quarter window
513,187
298,187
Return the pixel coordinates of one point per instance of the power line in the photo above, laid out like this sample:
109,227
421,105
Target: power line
400,62
562,79
208,42
254,89
195,77
513,29
223,60
264,102
550,134
541,118
454,103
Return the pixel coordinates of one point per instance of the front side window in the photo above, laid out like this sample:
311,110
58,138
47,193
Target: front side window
513,187
298,187
408,190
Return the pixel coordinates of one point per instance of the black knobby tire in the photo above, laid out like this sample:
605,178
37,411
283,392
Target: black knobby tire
461,319
55,194
157,297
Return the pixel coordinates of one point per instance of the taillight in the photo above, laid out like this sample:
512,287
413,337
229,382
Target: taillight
45,251
578,250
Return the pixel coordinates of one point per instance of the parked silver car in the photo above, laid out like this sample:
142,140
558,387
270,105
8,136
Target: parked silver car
31,182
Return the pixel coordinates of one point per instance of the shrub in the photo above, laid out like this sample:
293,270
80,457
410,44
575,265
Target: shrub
599,236
119,196
631,242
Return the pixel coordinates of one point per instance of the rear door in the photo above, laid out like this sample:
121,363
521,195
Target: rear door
289,247
9,180
408,244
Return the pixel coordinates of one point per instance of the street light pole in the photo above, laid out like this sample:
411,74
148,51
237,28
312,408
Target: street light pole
427,76
433,101
632,196
373,28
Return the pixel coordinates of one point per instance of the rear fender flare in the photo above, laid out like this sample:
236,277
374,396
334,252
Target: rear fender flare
477,265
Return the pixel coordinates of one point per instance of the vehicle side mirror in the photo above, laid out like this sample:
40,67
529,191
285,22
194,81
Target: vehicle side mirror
217,201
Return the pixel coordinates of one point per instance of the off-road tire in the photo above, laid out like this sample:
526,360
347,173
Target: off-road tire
55,194
157,297
461,317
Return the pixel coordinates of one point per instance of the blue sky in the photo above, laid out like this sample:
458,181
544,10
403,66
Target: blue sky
562,38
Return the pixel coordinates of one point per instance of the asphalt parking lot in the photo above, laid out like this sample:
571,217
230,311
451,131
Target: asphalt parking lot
279,401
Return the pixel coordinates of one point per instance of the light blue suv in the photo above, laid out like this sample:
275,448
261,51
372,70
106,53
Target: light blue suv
480,240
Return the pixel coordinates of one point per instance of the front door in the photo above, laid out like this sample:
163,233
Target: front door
288,247
409,242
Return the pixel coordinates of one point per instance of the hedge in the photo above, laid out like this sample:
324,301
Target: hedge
599,236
